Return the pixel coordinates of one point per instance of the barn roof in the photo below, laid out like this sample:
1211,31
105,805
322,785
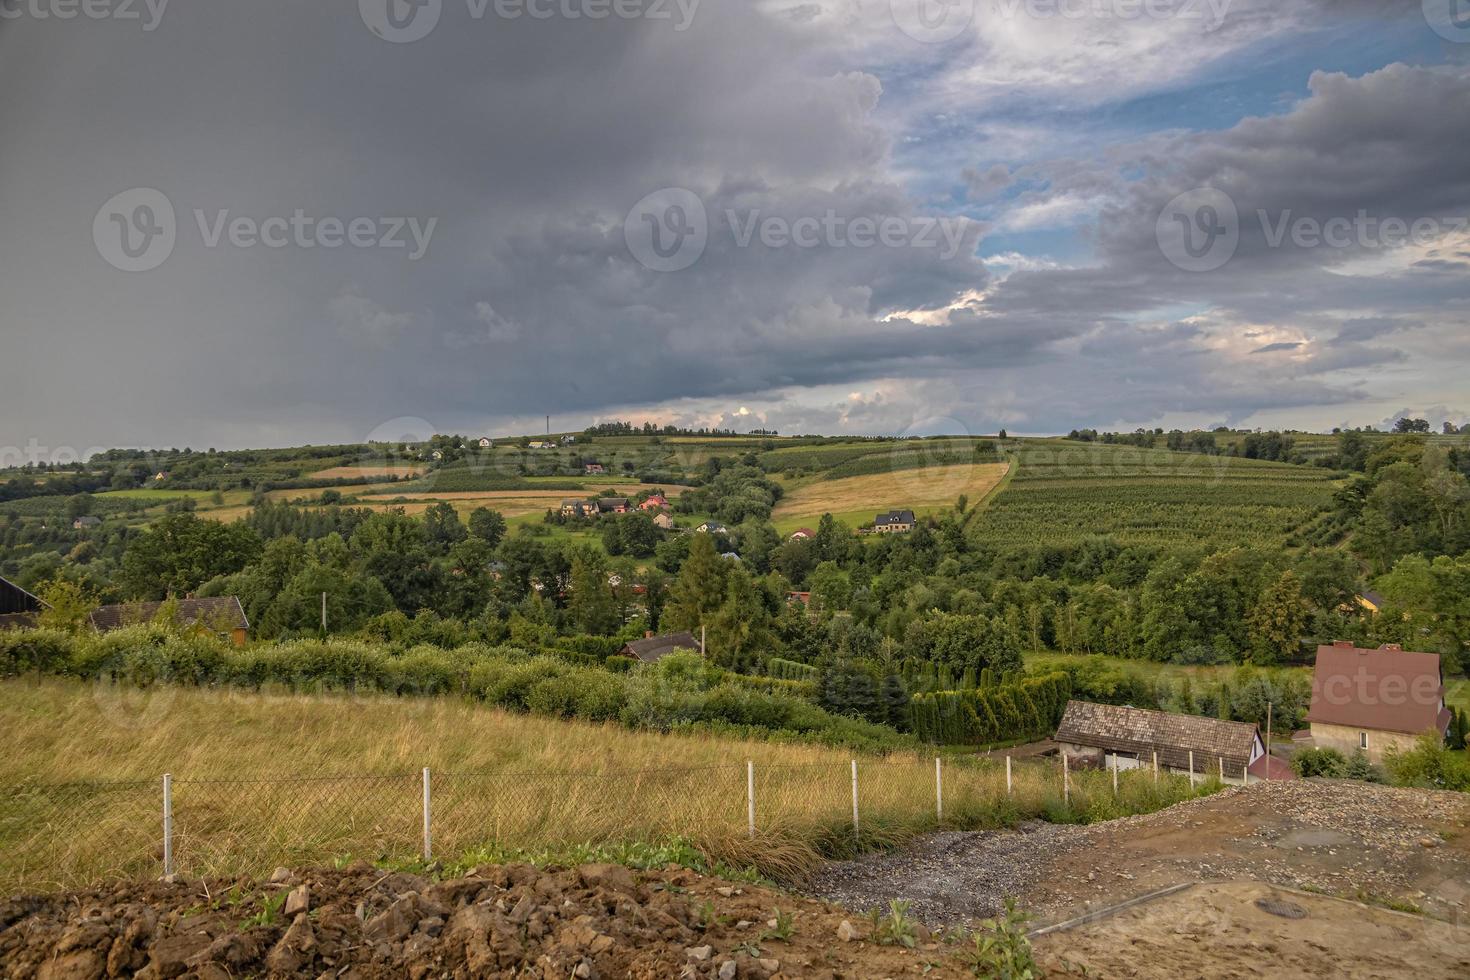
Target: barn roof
655,648
1140,731
1388,689
224,612
14,599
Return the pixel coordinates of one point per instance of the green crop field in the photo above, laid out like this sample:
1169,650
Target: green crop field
1063,491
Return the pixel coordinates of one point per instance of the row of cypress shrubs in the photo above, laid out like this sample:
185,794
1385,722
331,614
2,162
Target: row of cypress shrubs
1030,707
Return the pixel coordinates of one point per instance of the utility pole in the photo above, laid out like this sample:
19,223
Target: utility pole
324,614
702,652
1268,741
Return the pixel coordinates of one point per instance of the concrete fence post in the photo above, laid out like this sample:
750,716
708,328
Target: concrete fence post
1115,775
855,829
750,796
428,834
1191,768
1066,780
938,790
168,826
1156,767
1222,768
1008,777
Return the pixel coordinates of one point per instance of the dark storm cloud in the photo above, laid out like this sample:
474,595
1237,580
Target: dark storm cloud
530,141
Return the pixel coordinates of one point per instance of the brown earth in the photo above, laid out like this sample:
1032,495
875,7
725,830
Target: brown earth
502,921
1226,930
1306,840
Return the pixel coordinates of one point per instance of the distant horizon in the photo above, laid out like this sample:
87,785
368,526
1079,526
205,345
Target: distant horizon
502,438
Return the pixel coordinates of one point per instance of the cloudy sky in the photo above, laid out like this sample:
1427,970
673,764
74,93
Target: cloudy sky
263,223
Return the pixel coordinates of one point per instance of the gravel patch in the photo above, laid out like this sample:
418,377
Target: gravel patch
951,877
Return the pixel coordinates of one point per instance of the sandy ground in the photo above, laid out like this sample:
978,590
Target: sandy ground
1374,844
1220,930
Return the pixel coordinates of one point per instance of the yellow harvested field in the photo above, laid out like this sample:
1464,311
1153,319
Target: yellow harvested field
857,499
400,470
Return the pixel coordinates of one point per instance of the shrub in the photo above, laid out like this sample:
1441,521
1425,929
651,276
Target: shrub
1431,764
48,651
1319,762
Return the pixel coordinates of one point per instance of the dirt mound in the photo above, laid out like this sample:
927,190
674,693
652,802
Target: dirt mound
503,921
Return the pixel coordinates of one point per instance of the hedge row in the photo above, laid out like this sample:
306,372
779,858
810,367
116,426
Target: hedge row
680,691
790,670
1029,708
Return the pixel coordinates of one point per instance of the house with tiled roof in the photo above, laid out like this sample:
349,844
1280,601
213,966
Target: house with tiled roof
1109,735
222,614
652,649
1375,700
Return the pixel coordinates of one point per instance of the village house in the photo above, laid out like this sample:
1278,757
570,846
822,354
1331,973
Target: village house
663,521
802,534
712,527
85,521
578,508
486,442
655,501
541,445
1108,735
594,469
18,608
651,649
894,522
222,614
1371,701
613,505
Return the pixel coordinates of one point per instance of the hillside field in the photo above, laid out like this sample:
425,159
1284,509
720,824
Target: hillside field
857,499
1063,491
266,779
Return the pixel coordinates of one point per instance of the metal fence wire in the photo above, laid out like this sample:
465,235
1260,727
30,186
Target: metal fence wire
57,836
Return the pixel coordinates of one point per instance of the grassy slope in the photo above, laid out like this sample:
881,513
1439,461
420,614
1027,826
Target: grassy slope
264,780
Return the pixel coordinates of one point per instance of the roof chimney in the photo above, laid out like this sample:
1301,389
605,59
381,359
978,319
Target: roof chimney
1343,644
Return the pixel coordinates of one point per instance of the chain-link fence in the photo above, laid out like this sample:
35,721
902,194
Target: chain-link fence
67,835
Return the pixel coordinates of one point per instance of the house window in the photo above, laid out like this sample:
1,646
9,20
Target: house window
1362,740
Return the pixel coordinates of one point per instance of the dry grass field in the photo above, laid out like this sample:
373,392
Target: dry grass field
401,471
857,499
262,780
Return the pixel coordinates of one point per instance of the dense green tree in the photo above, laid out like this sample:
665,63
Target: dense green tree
699,590
1278,621
181,552
592,606
442,529
487,525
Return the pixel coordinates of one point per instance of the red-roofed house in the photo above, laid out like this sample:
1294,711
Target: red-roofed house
1374,700
655,501
802,534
